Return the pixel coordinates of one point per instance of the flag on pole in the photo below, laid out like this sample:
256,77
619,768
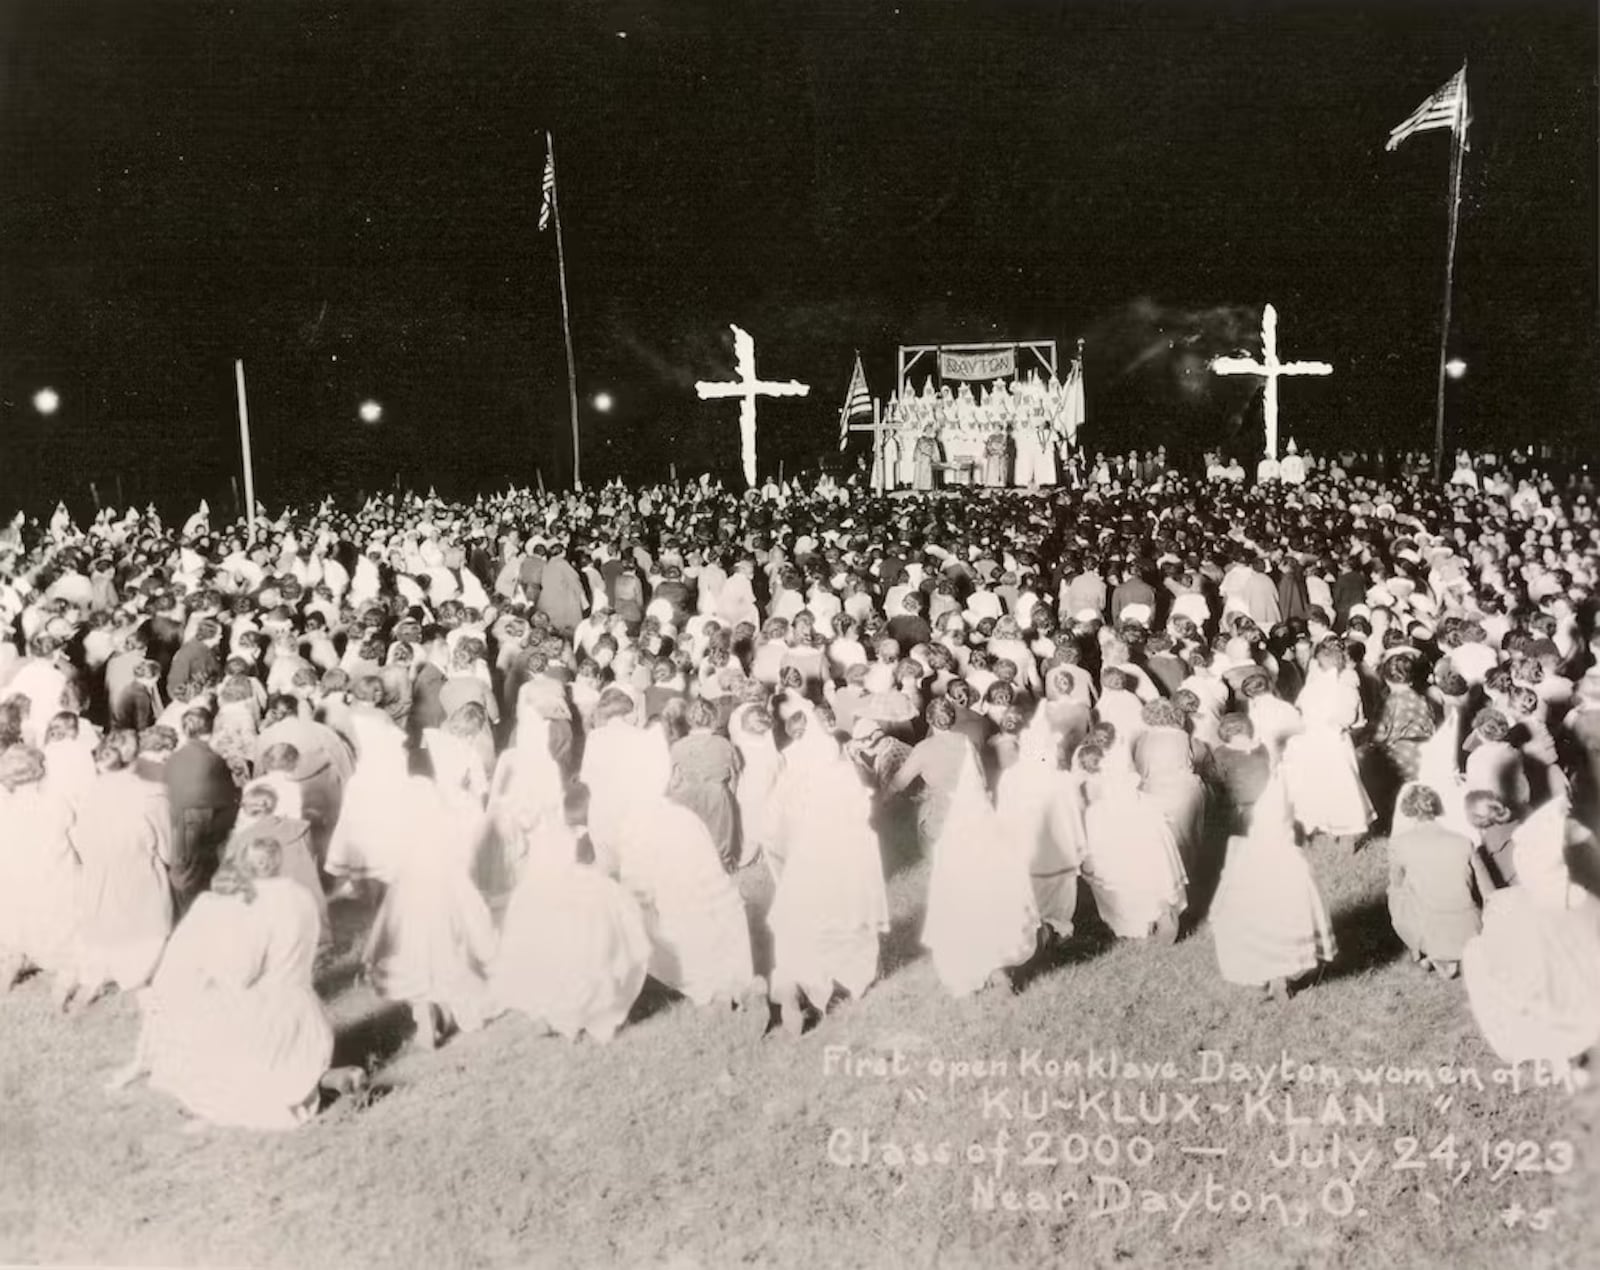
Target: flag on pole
1447,108
857,401
1072,409
548,205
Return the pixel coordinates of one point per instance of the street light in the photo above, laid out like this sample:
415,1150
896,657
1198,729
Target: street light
370,412
1455,368
602,402
46,401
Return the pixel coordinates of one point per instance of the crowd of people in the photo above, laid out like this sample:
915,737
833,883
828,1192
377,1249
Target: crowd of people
557,745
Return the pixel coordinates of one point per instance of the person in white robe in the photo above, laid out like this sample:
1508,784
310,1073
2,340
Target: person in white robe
526,784
574,951
750,730
1321,774
433,937
1267,918
38,876
270,808
624,766
1131,859
981,918
369,840
1531,972
231,1024
1041,808
830,909
699,935
123,838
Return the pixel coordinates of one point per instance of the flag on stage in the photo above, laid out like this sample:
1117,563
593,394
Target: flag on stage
857,401
1447,108
549,203
1072,409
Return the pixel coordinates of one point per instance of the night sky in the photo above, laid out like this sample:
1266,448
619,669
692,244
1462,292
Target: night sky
347,197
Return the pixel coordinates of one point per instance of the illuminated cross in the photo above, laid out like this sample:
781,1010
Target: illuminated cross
1270,369
748,387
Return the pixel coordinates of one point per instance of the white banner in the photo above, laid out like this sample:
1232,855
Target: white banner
981,366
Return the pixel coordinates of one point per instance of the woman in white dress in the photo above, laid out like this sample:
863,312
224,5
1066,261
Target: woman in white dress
750,730
38,876
1531,973
369,840
433,937
1131,858
981,918
1321,774
830,908
574,951
1041,810
625,767
699,935
232,1027
122,838
1268,919
526,781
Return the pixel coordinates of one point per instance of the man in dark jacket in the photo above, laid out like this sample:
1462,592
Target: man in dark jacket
196,658
205,802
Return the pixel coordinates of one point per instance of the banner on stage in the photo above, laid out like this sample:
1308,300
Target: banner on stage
983,366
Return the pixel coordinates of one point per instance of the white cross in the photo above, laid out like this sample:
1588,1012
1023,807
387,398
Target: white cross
1269,368
748,387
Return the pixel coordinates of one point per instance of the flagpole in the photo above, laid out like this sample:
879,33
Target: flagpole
876,470
566,315
244,446
1458,142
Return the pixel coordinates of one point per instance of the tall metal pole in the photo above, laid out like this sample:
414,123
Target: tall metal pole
1457,149
244,447
566,318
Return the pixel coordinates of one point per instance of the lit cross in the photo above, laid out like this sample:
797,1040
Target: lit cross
748,387
1269,368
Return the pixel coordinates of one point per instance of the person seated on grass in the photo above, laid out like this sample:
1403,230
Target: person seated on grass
1268,919
1436,882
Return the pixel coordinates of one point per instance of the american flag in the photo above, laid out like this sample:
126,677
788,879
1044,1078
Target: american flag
548,206
857,401
1447,108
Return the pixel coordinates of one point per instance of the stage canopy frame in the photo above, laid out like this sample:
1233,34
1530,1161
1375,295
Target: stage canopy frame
968,363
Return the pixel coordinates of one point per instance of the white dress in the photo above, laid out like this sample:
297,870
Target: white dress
38,879
1268,918
1320,773
758,774
433,936
1132,863
369,839
122,839
233,1028
699,935
574,951
1531,973
981,915
830,907
625,767
1041,811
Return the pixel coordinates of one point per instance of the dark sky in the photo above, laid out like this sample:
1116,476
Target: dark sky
347,197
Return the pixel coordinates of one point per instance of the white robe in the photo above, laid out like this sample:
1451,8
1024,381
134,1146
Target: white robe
233,1028
574,950
1319,765
624,767
369,840
38,879
123,838
981,915
1132,863
830,907
699,936
1268,918
1041,811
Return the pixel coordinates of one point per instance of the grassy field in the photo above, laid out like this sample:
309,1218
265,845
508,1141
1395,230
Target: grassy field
701,1140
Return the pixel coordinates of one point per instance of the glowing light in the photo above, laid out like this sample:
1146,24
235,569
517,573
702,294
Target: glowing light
46,401
602,402
371,412
1455,368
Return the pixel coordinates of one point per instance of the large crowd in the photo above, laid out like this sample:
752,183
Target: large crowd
554,745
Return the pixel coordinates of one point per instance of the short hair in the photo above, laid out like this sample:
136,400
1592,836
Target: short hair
1089,757
941,714
281,757
1113,680
20,765
614,703
1421,803
158,739
1232,725
702,714
368,689
1162,713
1491,725
196,724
